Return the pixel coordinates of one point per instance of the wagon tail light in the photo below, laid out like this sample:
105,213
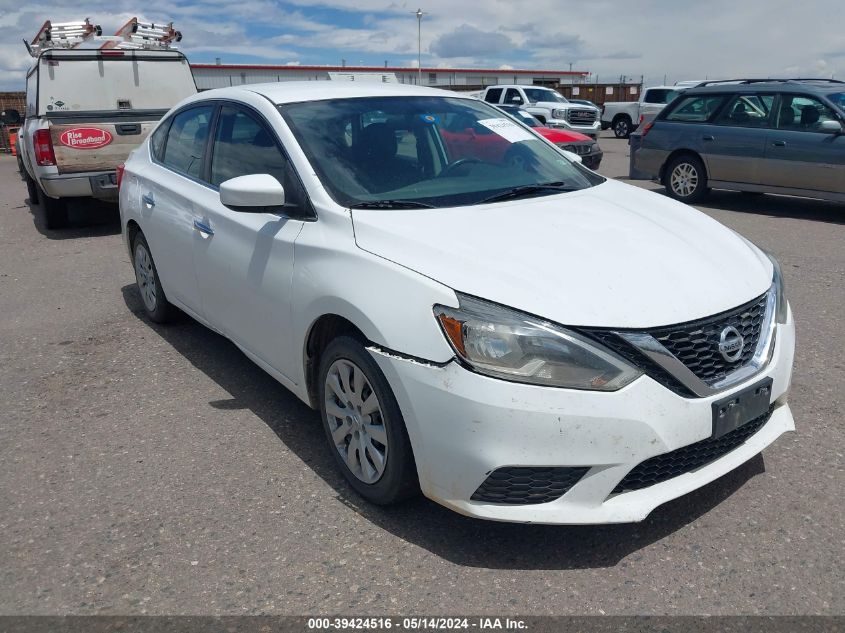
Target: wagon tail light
647,127
119,174
44,154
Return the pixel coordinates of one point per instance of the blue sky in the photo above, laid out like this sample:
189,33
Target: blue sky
652,38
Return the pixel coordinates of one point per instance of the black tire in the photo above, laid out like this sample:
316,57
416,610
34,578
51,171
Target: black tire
689,182
31,189
55,211
622,126
540,118
398,480
156,305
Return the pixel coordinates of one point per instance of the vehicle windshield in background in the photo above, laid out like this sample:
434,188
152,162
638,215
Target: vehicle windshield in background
543,94
521,115
432,151
838,98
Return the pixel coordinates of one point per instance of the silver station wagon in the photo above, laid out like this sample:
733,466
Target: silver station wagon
782,136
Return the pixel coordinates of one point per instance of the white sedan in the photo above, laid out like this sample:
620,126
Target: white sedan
474,315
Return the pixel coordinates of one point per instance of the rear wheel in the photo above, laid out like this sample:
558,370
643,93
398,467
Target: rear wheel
363,424
55,211
156,305
622,127
686,178
31,188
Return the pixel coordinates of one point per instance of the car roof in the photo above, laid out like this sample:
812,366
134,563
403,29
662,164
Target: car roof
299,91
753,86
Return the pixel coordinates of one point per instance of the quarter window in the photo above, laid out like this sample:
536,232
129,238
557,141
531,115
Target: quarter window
803,114
184,150
244,146
696,109
748,111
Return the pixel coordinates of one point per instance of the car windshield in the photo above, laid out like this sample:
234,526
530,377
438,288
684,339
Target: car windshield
397,152
543,94
838,98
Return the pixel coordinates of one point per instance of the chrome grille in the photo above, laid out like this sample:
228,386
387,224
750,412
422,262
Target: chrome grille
581,117
696,344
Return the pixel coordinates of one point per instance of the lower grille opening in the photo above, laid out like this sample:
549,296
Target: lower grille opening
523,485
688,458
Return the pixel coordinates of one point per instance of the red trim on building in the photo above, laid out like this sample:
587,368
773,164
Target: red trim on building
393,69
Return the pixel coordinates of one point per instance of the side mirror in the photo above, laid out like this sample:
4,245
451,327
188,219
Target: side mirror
256,193
10,117
575,158
831,127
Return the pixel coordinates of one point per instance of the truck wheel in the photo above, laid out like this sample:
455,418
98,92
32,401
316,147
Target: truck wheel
540,118
55,211
622,127
31,189
685,178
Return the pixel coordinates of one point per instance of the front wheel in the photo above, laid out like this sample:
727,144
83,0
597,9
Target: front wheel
363,424
686,178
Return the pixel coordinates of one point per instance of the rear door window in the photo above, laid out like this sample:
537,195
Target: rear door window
696,108
513,96
748,111
659,95
493,95
184,149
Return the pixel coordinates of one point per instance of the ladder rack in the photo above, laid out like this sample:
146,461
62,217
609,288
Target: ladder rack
133,35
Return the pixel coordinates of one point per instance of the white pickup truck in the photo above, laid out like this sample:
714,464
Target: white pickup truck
624,116
86,109
547,105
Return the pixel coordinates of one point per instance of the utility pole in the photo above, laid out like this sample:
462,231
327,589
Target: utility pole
419,13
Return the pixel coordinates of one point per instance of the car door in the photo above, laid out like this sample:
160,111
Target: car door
735,144
169,187
799,154
244,260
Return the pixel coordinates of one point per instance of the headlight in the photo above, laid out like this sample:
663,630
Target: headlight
503,343
780,290
559,113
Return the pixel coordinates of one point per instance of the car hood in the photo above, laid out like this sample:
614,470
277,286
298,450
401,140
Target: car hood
563,136
613,255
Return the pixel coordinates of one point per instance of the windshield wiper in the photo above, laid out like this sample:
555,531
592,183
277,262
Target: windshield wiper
391,204
525,190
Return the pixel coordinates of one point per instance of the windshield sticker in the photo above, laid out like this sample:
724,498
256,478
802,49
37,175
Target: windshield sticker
430,118
508,130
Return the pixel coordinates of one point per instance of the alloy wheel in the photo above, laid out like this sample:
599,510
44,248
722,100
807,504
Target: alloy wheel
356,421
684,179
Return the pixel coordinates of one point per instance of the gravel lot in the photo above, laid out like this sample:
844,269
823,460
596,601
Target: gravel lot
156,470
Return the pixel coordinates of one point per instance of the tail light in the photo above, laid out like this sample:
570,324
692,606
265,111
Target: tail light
642,118
119,174
44,154
647,127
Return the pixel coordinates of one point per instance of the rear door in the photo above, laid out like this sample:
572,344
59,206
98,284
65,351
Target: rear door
735,144
170,186
244,260
798,153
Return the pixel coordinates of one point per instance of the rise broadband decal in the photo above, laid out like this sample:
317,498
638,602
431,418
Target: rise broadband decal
85,138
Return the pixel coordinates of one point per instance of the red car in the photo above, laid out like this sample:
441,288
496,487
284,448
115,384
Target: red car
476,141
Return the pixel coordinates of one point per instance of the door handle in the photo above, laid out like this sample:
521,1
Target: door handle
779,143
202,227
148,200
708,138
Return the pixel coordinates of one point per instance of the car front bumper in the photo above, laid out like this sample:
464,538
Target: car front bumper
463,426
590,130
